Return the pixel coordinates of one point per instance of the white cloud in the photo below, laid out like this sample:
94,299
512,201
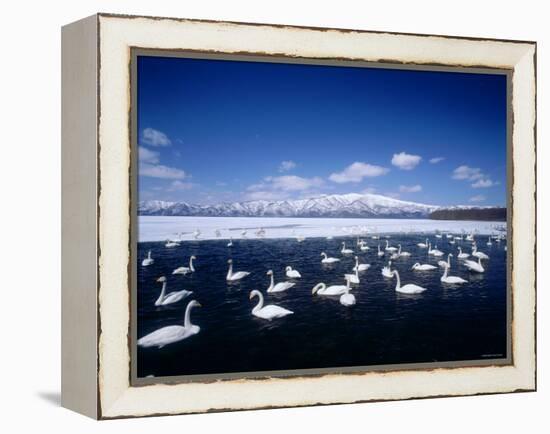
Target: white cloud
369,190
147,156
410,188
357,171
436,160
179,186
287,183
466,172
484,183
160,171
478,198
152,137
405,161
266,195
287,165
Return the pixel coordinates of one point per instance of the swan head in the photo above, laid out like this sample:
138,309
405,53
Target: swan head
323,254
415,265
161,279
194,303
230,261
254,293
288,268
317,287
269,273
450,254
193,257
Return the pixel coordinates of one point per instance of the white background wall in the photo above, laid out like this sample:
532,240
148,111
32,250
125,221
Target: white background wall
30,198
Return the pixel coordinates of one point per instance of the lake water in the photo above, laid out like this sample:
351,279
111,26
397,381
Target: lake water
444,323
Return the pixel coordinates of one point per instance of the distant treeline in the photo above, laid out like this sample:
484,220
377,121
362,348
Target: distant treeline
490,214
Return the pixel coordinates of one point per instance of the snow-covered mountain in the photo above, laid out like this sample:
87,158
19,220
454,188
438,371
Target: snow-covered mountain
344,205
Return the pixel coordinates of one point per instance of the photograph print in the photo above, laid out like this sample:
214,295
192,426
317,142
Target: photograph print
295,218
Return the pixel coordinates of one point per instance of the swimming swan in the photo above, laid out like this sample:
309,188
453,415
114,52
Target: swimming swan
230,243
322,289
474,266
267,312
327,260
231,277
446,263
148,260
279,287
462,255
345,251
388,248
170,244
386,271
409,288
423,267
292,274
400,253
423,245
174,333
380,252
477,253
353,278
451,279
171,297
360,267
347,299
185,270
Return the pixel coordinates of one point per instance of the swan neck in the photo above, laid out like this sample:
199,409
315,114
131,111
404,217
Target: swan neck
272,284
260,301
191,264
187,322
162,293
230,271
398,285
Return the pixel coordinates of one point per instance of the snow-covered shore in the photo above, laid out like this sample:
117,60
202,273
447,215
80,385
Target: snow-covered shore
160,228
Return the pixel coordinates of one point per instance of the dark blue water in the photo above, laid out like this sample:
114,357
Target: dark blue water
444,323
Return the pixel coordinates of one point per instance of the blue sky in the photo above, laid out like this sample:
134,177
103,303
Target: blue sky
213,131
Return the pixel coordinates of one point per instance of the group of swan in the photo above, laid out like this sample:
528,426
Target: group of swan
174,333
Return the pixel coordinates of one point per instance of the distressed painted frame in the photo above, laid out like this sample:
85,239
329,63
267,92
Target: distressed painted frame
97,212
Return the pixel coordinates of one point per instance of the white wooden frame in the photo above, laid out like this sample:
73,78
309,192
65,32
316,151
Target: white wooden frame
96,216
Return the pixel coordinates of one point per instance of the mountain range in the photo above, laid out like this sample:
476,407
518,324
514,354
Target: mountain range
336,205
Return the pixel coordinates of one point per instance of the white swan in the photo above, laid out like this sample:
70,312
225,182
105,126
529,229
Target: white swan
322,289
423,267
170,244
292,274
345,251
451,279
230,243
446,263
386,271
174,333
360,267
279,287
462,255
478,254
452,241
327,260
347,299
380,252
148,260
171,297
400,253
423,245
364,247
489,243
231,277
185,270
474,266
409,288
435,251
388,248
268,312
440,236
353,278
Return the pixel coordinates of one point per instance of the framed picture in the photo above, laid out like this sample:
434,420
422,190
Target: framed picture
261,216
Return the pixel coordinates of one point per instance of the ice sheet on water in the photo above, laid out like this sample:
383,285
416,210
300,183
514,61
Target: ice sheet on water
160,228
